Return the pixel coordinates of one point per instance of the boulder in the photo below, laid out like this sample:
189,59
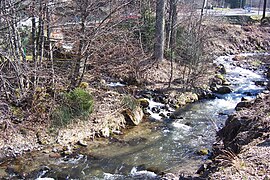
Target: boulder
230,130
215,82
187,97
213,87
103,82
226,83
42,138
173,116
105,132
161,98
55,155
148,94
162,115
243,104
222,69
268,73
84,85
261,96
181,103
238,58
193,97
66,150
207,95
117,132
260,83
155,109
203,152
220,76
169,176
202,169
143,102
133,117
224,90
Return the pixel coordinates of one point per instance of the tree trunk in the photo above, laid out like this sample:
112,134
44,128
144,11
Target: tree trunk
34,51
41,34
168,26
174,23
39,38
172,37
201,15
264,9
75,78
160,25
170,31
50,51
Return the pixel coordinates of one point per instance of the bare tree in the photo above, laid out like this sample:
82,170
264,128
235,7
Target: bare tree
14,68
160,27
171,24
171,37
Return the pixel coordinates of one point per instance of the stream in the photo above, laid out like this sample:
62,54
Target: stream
155,146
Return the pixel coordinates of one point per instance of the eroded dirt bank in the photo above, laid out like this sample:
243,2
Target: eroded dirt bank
243,150
243,144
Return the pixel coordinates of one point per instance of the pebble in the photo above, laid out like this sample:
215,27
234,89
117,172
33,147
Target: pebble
203,152
54,150
82,143
54,155
117,132
46,151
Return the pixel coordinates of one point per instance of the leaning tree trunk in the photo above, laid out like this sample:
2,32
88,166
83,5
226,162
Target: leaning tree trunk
160,25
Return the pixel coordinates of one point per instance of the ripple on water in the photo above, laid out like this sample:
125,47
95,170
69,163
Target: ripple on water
181,126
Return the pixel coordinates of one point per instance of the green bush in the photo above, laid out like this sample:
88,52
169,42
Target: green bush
61,116
77,103
80,101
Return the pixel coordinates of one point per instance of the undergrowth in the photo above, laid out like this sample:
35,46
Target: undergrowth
75,104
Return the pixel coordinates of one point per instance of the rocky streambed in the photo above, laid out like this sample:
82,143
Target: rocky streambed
173,142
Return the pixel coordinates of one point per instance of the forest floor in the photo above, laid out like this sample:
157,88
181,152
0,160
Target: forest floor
225,39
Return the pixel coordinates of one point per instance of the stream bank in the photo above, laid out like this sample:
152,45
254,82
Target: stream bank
178,143
27,136
242,150
107,119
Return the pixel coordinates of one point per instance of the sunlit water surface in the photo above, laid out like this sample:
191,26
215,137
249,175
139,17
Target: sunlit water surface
158,146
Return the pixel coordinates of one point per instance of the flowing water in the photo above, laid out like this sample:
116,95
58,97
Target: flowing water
158,146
